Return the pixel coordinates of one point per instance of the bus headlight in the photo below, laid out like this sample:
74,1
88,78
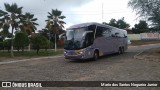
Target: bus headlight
81,51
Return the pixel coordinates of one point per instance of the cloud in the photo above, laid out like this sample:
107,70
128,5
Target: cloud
40,8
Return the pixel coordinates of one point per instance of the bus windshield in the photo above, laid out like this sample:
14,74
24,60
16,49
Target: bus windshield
75,38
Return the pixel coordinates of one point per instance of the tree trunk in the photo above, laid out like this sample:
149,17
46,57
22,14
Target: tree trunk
37,51
55,44
29,47
12,55
23,49
18,49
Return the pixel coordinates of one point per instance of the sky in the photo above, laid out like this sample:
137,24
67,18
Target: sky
77,11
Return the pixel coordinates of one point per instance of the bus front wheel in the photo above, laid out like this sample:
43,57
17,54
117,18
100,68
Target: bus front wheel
95,56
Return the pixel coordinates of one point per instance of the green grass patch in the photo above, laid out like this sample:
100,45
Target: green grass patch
143,42
31,53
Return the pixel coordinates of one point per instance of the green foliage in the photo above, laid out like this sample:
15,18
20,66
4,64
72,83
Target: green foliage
12,19
55,18
13,8
119,24
7,44
55,23
27,54
28,23
1,43
149,9
1,39
1,46
141,27
122,24
39,42
113,23
21,40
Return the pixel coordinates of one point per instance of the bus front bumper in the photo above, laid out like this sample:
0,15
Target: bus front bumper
78,56
74,54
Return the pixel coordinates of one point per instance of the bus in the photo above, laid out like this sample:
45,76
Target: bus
92,40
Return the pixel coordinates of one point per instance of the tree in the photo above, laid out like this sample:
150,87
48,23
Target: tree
122,24
4,23
149,9
155,19
141,27
21,40
28,24
119,24
12,14
1,42
39,42
55,23
113,22
144,7
7,44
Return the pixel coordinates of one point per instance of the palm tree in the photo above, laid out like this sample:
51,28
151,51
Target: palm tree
55,22
13,13
28,24
4,23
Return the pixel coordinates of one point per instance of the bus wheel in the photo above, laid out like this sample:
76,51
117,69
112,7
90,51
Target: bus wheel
120,50
96,55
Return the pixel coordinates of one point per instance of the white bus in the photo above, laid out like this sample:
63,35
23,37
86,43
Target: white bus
91,40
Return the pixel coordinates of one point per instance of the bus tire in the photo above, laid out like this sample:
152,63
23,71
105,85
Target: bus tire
120,50
95,56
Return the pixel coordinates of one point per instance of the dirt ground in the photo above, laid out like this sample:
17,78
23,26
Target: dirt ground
151,55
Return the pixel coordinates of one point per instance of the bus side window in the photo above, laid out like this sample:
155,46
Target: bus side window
99,32
106,32
92,27
89,39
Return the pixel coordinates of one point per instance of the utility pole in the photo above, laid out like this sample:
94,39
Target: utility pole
102,11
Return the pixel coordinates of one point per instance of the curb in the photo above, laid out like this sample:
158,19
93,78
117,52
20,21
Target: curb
31,59
136,56
144,45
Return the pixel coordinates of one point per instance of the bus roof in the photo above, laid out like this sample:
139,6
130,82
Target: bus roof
94,23
85,25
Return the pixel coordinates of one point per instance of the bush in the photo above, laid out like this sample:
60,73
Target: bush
7,44
39,42
21,40
1,46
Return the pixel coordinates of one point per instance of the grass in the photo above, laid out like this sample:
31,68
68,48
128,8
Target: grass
143,42
31,53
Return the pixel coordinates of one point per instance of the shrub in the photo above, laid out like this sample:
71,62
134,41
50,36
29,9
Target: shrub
21,40
39,42
1,46
7,44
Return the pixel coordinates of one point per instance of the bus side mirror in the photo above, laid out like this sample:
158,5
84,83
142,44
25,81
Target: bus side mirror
62,36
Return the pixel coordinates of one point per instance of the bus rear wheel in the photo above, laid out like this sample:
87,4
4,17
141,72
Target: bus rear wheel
95,56
120,50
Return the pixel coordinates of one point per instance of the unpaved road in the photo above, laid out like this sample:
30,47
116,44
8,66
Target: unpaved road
109,68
